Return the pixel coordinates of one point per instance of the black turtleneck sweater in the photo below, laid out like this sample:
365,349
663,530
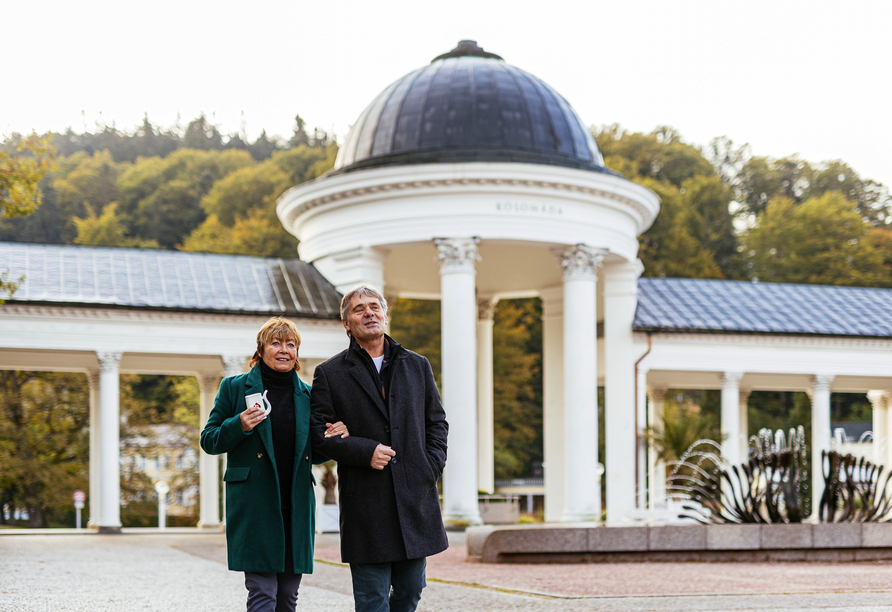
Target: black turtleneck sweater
280,387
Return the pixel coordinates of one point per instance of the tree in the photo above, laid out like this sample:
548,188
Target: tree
43,442
23,163
517,387
241,207
161,198
85,182
203,135
106,230
258,234
821,241
693,236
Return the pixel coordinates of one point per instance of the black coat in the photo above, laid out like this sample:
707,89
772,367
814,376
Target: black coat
391,514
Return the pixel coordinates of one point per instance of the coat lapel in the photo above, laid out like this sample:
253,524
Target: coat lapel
254,384
360,373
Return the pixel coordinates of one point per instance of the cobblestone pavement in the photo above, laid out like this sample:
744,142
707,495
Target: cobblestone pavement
187,572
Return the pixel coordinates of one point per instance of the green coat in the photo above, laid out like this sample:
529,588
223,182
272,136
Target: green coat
255,532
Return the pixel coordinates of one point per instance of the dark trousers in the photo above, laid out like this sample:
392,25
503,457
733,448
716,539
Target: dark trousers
272,592
388,587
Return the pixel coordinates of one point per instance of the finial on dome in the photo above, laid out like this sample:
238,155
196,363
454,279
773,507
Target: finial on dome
465,48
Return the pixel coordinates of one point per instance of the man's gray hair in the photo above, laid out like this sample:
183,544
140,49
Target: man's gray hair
366,290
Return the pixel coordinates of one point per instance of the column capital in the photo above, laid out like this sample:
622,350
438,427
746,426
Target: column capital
731,378
457,254
93,380
234,364
657,394
486,308
744,395
581,261
822,382
109,361
879,400
208,383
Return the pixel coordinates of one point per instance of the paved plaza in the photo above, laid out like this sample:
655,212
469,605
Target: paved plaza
185,571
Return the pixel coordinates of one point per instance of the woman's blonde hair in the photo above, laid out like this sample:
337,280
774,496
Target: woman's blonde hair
277,328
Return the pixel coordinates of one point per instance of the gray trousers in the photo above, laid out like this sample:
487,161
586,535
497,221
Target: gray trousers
272,592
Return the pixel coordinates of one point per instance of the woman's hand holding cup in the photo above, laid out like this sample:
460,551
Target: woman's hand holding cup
251,417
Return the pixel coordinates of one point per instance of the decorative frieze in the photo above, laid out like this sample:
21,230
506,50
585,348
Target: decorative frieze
646,215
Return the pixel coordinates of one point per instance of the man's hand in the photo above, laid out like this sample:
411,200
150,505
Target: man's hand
251,418
382,456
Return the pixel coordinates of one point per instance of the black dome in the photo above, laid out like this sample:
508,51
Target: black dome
469,105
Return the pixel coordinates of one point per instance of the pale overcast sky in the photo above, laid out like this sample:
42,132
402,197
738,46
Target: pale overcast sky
808,78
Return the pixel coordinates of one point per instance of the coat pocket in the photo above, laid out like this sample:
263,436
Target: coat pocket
235,474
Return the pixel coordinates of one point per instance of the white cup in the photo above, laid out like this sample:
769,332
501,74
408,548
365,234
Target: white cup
259,400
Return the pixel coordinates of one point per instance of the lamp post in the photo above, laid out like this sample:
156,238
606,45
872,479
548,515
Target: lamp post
162,488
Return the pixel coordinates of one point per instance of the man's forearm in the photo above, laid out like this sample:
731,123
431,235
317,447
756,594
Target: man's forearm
353,450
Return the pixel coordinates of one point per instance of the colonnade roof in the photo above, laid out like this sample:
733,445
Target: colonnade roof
699,305
167,280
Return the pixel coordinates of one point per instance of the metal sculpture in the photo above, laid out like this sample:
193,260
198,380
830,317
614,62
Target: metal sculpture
855,490
773,485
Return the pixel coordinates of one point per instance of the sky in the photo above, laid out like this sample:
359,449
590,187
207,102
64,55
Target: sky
787,77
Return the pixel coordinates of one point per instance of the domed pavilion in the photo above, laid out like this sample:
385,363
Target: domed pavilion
470,180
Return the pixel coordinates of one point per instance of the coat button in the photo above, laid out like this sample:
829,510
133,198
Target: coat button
260,455
307,458
387,429
394,460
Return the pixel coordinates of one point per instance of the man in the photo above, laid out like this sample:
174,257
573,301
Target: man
389,465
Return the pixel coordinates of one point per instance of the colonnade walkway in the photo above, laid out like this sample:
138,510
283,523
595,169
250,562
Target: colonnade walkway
186,571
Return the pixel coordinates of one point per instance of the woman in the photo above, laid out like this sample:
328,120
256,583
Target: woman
270,503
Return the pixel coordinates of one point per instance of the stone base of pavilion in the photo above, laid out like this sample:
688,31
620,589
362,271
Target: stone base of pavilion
593,543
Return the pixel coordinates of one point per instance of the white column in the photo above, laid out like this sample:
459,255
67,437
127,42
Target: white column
110,433
820,435
623,461
553,402
209,465
485,433
583,493
458,304
731,417
880,405
657,467
744,426
95,451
